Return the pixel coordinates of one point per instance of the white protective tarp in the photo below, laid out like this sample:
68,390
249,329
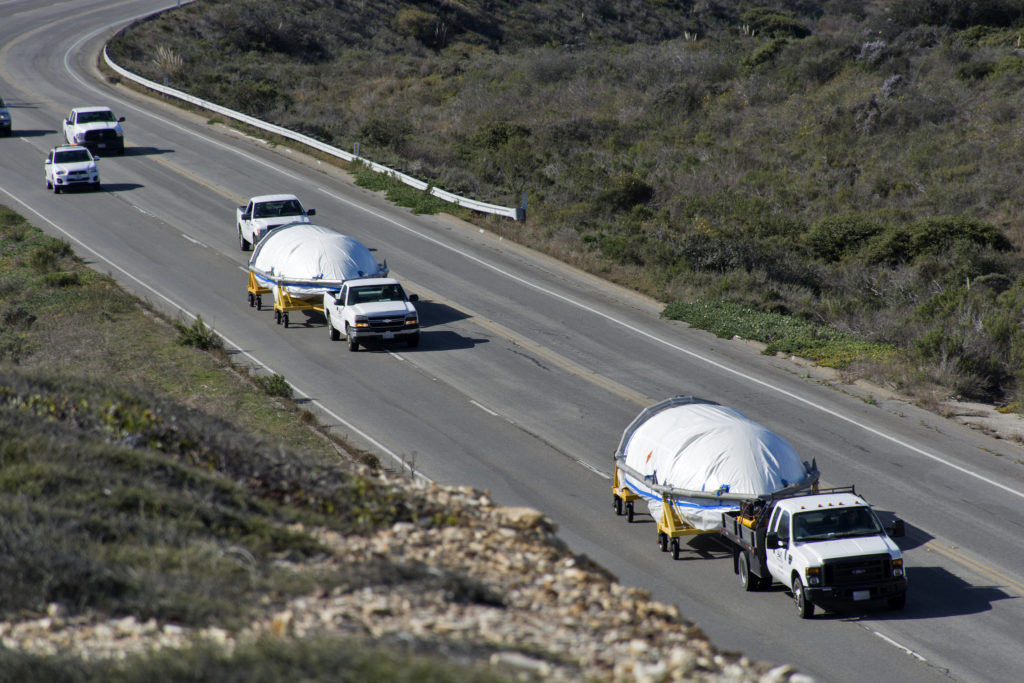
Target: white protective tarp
708,448
299,256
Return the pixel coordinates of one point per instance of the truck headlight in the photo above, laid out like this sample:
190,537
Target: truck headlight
813,576
897,567
411,320
362,322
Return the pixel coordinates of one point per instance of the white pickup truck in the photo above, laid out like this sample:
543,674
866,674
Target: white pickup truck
827,547
266,212
371,310
95,128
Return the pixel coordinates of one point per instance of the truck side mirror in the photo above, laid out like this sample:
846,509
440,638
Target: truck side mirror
311,212
898,529
771,540
414,297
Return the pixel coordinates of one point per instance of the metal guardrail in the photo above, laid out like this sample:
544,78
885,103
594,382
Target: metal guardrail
518,214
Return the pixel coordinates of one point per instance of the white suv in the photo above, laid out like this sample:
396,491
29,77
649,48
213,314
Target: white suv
96,128
70,166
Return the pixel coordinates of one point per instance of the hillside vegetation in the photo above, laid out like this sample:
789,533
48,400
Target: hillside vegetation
853,164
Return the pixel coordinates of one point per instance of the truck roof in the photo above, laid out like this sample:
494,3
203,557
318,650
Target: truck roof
372,281
89,109
273,198
822,500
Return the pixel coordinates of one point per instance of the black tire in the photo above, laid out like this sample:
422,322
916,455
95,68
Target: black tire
629,512
56,189
617,505
335,335
243,243
252,301
259,303
804,607
49,185
899,602
675,548
749,582
353,345
663,541
277,317
412,340
285,319
97,187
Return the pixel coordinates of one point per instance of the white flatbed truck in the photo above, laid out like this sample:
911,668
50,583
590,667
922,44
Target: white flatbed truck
827,547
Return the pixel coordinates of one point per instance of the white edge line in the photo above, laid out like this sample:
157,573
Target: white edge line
483,408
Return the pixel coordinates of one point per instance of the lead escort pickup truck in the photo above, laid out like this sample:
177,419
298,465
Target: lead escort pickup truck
266,212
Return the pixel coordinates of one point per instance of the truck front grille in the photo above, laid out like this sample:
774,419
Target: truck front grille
387,323
858,570
102,135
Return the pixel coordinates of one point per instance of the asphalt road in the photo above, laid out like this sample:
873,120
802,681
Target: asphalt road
527,372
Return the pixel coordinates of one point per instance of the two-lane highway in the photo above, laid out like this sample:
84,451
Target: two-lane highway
526,374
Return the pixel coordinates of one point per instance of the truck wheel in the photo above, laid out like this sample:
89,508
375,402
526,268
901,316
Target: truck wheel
335,335
412,340
242,242
353,345
663,541
675,548
803,606
617,505
629,512
750,583
898,602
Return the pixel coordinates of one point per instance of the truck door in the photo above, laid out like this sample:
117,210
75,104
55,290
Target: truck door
777,559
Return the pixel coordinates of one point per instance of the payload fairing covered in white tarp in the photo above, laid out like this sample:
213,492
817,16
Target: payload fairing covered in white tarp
709,456
310,260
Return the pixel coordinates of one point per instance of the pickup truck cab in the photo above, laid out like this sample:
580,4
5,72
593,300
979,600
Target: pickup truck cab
828,548
266,212
95,128
372,310
5,119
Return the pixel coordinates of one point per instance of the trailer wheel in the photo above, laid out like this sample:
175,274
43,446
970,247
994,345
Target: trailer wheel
252,301
259,303
750,583
663,541
898,602
803,606
675,548
629,512
285,319
617,505
277,317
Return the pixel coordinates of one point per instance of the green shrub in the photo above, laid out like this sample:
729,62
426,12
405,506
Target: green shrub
198,335
768,22
275,385
833,237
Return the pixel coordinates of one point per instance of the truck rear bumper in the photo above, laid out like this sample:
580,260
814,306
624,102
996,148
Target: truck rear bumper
849,596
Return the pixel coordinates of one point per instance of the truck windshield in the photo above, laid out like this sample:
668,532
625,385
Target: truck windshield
289,207
95,116
362,295
818,525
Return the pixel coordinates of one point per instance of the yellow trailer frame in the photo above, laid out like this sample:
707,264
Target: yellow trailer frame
256,290
285,303
622,496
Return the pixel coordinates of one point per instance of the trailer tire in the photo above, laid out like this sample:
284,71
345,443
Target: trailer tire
898,602
749,582
629,512
804,607
259,303
252,302
663,541
285,319
617,505
675,548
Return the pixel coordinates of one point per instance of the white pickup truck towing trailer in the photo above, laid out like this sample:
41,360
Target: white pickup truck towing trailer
827,547
266,212
372,310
